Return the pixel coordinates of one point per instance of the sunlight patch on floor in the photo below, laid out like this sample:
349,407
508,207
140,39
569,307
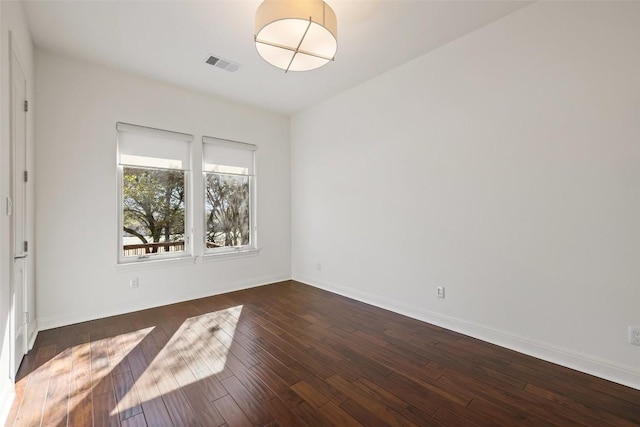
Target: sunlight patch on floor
73,373
197,349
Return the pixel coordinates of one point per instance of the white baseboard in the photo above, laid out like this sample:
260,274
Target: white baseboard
33,334
581,362
7,395
72,318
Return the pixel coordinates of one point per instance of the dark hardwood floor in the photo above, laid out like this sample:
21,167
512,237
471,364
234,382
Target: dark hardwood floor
292,355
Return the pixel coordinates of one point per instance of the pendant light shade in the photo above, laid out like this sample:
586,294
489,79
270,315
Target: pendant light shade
297,35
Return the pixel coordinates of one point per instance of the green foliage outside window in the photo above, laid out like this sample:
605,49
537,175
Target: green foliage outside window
153,205
227,210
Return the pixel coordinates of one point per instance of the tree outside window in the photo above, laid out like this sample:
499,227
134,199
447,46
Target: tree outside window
153,202
153,171
227,210
229,184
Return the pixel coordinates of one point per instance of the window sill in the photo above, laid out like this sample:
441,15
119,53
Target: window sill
148,263
220,256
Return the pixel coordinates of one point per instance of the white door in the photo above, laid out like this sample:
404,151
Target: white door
19,209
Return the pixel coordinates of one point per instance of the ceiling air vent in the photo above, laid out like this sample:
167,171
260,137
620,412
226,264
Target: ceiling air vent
225,64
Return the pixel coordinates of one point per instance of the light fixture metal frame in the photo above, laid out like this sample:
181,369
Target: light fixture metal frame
328,21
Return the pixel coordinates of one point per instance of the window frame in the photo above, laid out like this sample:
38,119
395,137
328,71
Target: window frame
186,170
227,251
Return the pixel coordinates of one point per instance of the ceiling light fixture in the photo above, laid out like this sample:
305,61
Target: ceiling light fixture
296,35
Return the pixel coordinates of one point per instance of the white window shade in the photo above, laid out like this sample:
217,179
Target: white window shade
228,157
153,148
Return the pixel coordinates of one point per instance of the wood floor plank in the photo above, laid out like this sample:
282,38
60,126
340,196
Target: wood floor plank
410,393
245,400
100,371
516,400
311,415
362,415
117,345
283,413
231,412
35,392
277,384
419,418
204,411
320,384
57,401
378,393
105,412
30,413
153,406
126,395
578,410
80,409
288,354
337,416
176,402
284,372
379,410
312,396
480,409
258,389
135,421
446,417
17,401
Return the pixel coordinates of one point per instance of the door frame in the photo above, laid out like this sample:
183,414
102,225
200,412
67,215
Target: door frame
17,314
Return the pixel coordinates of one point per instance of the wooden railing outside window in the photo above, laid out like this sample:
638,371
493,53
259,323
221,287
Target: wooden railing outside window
153,248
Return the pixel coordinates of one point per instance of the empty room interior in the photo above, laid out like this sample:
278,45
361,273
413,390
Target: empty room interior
319,213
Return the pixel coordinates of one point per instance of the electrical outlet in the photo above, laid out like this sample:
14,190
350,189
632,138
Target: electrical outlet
440,291
634,335
134,282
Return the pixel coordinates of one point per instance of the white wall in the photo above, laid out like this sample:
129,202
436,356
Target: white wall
503,166
78,106
12,20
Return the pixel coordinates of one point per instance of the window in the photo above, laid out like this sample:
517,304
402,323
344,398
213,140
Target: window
153,168
229,184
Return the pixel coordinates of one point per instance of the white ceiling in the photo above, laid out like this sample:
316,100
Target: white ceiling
170,40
